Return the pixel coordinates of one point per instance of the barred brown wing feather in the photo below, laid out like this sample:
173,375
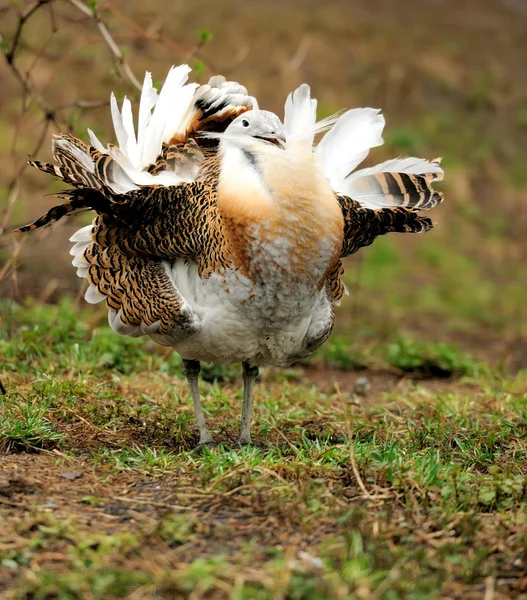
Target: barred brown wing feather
137,288
334,283
78,200
381,190
216,105
184,159
53,215
46,168
363,225
73,157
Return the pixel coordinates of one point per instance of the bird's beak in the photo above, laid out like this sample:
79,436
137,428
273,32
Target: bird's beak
277,139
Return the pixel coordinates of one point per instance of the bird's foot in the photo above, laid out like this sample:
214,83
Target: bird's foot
200,448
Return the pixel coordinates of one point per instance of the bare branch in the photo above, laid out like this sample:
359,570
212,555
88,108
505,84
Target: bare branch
40,71
10,55
116,51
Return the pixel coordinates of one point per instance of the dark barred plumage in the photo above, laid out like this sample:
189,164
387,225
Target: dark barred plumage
139,287
397,190
334,284
229,248
184,159
214,110
167,223
409,191
136,231
363,225
151,224
78,200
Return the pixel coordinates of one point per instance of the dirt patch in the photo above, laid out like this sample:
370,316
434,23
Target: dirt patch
174,520
369,386
365,382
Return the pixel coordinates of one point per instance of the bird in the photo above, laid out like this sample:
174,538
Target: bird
220,229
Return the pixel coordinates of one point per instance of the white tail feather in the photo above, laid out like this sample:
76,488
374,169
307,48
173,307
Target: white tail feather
82,235
347,144
96,143
93,296
327,123
300,116
139,177
172,103
146,106
120,131
410,165
130,149
119,181
159,119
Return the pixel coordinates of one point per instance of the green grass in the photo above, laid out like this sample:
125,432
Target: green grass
400,355
411,493
410,484
429,281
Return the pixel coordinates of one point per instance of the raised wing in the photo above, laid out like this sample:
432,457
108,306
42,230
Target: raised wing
156,202
374,201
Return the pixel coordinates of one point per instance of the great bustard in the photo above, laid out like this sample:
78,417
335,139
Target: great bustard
220,231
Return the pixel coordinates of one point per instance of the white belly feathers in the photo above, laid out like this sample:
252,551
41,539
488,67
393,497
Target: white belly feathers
246,321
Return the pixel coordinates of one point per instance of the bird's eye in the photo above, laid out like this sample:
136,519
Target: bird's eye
245,123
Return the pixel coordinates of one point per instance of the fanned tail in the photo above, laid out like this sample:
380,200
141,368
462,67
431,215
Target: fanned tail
166,150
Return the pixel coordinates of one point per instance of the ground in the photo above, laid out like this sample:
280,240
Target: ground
390,465
380,483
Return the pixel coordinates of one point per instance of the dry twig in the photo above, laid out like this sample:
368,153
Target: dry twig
28,63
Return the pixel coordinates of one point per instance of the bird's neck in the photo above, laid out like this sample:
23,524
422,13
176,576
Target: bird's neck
279,214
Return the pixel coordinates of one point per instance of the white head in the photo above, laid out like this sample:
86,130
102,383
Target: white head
256,127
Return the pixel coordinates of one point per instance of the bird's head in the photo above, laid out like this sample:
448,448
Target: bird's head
256,127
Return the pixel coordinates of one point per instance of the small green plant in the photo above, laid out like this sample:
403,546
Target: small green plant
26,425
428,360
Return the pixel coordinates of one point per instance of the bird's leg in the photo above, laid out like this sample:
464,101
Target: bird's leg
192,369
249,377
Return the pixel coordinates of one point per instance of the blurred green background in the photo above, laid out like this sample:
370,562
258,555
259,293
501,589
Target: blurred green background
449,75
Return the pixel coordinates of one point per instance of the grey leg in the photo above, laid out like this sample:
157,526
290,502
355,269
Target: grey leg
249,377
192,369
